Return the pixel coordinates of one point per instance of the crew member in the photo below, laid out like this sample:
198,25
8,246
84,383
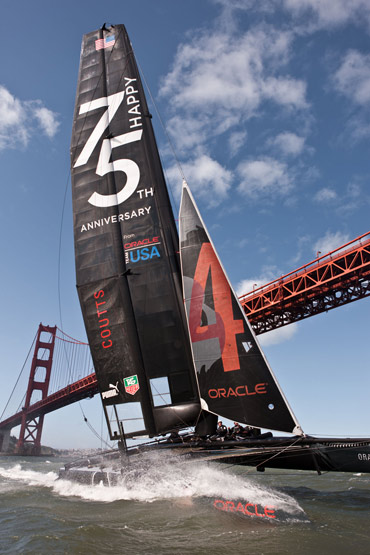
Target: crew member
236,430
221,430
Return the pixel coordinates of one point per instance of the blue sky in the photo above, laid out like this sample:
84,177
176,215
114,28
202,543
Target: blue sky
267,104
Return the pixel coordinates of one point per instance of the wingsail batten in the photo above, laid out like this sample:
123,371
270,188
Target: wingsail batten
234,378
126,243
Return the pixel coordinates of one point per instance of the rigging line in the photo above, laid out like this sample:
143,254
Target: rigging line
59,276
69,373
20,374
91,428
60,247
174,203
101,429
326,436
269,458
21,403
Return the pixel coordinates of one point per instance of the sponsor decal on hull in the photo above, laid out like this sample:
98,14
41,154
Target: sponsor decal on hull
131,384
248,509
364,456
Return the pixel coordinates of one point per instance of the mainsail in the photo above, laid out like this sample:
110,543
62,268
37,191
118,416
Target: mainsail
126,243
235,380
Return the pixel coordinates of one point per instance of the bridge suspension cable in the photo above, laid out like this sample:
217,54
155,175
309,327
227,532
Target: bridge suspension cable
19,377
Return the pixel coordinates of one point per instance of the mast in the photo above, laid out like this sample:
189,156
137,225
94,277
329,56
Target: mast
234,377
126,245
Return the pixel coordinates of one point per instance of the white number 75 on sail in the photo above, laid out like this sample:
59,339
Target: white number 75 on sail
129,167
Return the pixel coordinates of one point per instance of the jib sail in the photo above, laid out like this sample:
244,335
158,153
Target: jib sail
235,380
126,243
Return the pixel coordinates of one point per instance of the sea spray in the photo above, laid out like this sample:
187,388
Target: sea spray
159,477
29,477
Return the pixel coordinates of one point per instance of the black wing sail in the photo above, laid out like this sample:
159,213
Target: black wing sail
126,243
235,380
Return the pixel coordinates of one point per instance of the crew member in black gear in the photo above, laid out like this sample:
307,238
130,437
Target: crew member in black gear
236,430
221,430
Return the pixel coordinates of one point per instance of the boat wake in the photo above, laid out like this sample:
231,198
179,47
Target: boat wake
28,477
183,484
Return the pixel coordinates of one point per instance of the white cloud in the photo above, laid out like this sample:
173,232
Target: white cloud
302,242
352,80
330,242
188,132
206,177
288,143
12,117
359,127
353,190
47,121
265,176
285,91
330,13
325,195
353,77
236,4
247,285
236,141
221,79
312,14
269,273
19,120
279,335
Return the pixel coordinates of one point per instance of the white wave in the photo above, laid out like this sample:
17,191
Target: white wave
29,477
165,479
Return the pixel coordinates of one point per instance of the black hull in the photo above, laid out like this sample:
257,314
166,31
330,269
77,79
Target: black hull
330,455
318,455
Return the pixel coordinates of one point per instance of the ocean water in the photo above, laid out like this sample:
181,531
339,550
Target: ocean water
175,507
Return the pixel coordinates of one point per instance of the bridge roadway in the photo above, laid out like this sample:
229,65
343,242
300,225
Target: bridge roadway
340,277
86,387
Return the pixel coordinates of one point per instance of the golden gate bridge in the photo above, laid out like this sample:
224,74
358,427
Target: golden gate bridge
62,371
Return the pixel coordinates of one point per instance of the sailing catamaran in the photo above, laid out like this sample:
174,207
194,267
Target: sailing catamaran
170,343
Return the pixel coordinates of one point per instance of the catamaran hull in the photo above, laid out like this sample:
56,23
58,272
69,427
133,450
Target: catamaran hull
319,457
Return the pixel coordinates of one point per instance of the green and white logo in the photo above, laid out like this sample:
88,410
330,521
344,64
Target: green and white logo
131,384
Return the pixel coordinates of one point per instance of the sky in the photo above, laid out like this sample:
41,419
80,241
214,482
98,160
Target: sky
267,104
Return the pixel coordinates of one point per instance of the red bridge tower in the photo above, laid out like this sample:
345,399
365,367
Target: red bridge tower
29,441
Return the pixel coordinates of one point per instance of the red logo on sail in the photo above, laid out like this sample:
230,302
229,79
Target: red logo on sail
239,391
226,327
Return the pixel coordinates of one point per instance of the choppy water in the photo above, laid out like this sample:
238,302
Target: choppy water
171,509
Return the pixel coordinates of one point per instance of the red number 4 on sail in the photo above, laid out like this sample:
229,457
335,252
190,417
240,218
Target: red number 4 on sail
225,328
